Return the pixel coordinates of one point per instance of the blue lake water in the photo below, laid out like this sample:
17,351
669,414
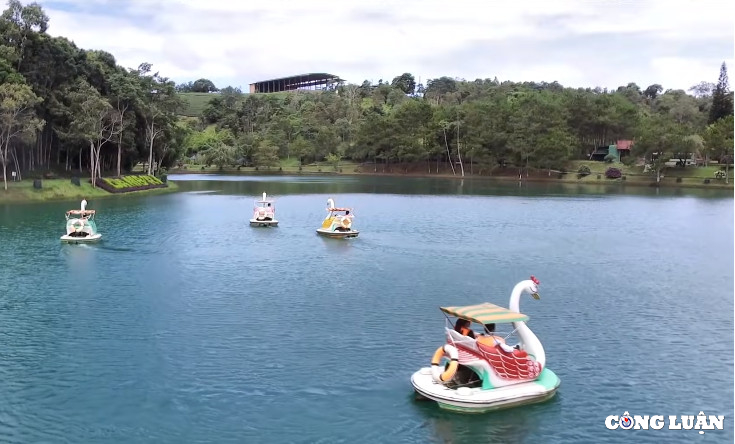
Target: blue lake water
187,325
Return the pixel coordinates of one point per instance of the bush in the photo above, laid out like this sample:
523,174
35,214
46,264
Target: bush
610,158
126,184
584,170
613,173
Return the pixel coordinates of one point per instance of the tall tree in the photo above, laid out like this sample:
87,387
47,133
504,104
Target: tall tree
161,106
17,118
721,98
96,122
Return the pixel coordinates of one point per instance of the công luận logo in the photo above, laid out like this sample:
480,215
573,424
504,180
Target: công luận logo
699,422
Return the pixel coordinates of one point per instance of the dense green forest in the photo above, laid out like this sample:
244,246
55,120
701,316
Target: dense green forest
464,126
66,109
69,110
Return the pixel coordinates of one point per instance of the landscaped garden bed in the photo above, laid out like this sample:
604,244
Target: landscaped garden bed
126,184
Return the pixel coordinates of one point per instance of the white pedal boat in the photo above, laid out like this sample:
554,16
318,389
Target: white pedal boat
264,213
484,373
81,227
338,222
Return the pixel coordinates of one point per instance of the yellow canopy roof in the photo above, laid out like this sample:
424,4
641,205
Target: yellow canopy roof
486,313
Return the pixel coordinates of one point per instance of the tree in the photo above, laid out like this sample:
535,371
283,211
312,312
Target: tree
20,23
161,103
203,86
702,89
405,82
718,138
220,155
17,118
96,122
126,93
721,98
653,91
266,154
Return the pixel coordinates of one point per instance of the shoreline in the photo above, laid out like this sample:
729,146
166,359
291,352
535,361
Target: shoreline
666,182
60,190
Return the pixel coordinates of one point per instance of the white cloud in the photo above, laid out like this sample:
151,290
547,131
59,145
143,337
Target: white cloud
237,42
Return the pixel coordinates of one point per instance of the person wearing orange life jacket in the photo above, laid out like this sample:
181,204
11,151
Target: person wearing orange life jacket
462,326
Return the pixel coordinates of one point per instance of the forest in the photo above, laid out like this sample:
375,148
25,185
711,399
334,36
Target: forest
65,110
465,126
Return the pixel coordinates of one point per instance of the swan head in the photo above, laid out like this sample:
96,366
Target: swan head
533,287
330,203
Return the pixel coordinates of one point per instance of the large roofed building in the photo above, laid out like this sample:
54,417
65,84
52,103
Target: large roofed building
311,81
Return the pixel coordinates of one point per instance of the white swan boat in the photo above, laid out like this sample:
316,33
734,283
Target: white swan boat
338,222
80,226
264,214
484,373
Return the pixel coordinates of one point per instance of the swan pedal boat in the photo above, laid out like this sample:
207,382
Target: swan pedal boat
264,214
80,227
336,224
485,374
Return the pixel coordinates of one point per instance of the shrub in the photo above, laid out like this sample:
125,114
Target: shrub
613,173
126,184
610,158
584,170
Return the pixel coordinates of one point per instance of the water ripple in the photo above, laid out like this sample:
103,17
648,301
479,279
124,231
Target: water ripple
186,325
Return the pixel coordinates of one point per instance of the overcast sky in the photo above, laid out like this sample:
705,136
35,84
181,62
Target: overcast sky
675,43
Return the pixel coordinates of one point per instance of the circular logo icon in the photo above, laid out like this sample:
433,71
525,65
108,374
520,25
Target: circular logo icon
626,422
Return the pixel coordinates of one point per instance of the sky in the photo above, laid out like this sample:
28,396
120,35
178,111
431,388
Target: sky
675,43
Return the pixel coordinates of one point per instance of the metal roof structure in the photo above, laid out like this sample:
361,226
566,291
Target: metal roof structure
318,80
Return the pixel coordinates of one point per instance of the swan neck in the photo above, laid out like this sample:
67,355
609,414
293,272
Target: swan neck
529,340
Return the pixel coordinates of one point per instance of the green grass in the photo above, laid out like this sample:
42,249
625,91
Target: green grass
63,189
194,103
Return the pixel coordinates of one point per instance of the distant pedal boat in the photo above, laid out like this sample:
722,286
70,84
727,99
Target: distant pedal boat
80,227
338,223
264,213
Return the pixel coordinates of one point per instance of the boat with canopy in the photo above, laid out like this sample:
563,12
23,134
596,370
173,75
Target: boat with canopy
80,226
338,222
484,372
264,213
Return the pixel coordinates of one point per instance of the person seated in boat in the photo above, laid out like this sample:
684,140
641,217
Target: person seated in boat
490,330
499,340
462,326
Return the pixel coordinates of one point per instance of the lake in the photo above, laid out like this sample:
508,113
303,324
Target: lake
185,324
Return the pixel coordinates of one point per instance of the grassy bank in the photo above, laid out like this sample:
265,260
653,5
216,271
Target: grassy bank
63,189
689,177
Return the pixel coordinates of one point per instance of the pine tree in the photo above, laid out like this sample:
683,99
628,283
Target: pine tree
721,98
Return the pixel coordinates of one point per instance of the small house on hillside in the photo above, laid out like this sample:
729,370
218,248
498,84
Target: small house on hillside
620,149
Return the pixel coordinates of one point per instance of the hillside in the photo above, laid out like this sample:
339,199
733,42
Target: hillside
195,103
